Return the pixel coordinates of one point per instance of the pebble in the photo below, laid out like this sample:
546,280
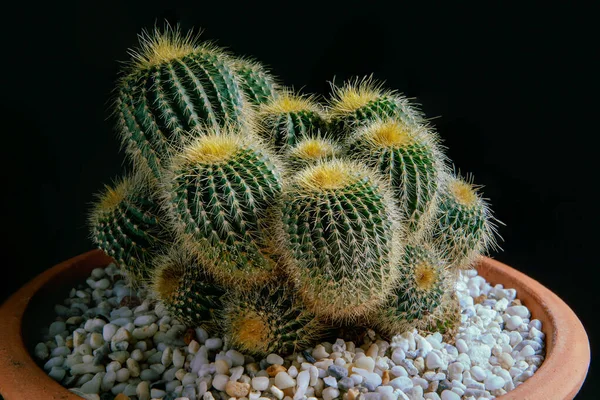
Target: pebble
135,348
284,381
330,393
449,395
213,343
274,359
493,382
237,389
260,383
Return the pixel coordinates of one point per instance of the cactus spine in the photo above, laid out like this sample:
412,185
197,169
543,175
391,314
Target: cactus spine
173,88
270,319
465,227
339,230
361,101
288,117
125,224
418,297
181,282
218,191
258,85
410,158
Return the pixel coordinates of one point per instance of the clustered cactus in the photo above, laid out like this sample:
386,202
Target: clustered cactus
275,220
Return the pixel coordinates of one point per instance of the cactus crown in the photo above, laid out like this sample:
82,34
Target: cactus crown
312,149
162,46
355,94
289,102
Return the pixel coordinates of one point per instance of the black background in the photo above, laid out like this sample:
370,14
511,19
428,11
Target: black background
512,90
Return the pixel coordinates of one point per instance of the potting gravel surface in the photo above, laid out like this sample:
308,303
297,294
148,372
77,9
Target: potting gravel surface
107,345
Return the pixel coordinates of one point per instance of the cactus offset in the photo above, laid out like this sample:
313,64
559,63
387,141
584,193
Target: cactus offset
258,85
410,158
268,320
417,299
465,226
339,230
126,225
362,101
182,283
217,191
289,117
173,88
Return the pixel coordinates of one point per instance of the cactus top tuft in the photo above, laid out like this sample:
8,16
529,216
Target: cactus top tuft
288,102
162,46
354,95
389,134
425,276
463,192
250,331
329,175
314,149
212,149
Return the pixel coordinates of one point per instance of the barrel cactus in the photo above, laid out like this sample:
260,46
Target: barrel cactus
126,224
218,191
340,233
182,282
364,100
172,88
267,216
270,319
411,159
465,227
419,296
289,117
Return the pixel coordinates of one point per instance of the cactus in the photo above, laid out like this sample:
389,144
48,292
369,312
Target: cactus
126,225
268,320
465,227
182,283
339,232
360,101
410,158
217,191
288,117
258,85
172,89
310,150
418,297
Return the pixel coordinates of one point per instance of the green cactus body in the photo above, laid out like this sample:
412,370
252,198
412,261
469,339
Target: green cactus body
174,88
447,320
182,283
268,320
410,158
418,297
465,227
258,85
218,190
339,229
311,150
289,117
125,224
360,102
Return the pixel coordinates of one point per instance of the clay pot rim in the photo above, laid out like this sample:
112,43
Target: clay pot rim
560,376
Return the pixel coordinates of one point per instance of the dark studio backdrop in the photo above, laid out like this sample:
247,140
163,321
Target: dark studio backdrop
511,89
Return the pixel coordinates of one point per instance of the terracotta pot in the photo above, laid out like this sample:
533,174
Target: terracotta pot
22,315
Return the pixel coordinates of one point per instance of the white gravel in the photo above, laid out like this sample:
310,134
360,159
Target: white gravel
103,344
